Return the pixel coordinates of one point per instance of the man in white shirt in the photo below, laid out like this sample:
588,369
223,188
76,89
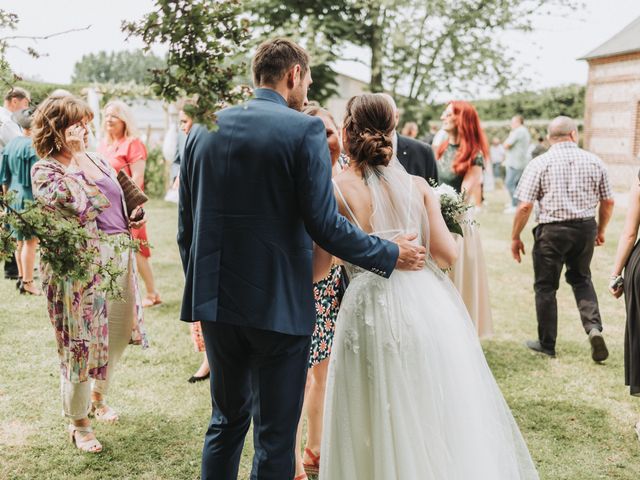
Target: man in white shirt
15,100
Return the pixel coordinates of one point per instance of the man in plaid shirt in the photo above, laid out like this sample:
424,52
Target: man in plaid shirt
569,184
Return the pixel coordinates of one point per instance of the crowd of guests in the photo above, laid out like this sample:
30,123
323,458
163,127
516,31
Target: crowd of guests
46,157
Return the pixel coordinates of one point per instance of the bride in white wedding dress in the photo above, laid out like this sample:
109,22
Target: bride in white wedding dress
409,393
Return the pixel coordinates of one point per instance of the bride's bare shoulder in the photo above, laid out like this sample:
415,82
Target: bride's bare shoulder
426,189
420,182
346,179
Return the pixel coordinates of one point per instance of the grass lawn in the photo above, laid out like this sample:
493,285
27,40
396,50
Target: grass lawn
576,416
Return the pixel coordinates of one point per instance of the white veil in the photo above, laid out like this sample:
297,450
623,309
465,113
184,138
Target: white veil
397,203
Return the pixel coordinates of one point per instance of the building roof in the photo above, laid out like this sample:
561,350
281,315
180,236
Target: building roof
625,41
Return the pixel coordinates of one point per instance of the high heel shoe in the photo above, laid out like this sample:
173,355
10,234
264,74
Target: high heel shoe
24,291
19,284
103,412
312,468
88,446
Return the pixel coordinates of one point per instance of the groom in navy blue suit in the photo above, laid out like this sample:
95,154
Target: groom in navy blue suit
254,195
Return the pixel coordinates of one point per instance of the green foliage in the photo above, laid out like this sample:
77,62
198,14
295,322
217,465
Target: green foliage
41,90
63,243
155,174
117,67
203,38
548,103
324,83
417,48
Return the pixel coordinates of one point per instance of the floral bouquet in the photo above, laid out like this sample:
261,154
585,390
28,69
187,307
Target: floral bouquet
453,208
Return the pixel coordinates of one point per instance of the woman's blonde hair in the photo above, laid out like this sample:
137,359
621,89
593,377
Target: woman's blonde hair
51,120
124,113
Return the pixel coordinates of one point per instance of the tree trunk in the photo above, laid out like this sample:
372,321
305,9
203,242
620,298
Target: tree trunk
376,44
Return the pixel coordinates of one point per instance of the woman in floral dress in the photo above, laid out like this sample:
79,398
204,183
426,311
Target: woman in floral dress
77,309
328,293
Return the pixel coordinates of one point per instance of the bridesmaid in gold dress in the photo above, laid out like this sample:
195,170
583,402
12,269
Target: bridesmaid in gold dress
460,164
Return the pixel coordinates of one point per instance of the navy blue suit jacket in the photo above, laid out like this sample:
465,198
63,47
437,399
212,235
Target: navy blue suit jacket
253,195
418,159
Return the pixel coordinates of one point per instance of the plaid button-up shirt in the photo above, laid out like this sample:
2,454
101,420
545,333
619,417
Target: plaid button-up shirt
567,181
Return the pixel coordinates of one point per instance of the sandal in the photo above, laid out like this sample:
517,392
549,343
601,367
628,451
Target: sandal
302,477
25,291
103,412
314,467
151,300
88,446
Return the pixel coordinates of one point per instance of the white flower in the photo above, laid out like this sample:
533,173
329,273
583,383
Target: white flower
447,190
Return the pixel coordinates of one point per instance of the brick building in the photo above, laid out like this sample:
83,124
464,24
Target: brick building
612,112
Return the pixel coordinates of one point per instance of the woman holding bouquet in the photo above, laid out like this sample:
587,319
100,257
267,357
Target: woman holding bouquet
460,164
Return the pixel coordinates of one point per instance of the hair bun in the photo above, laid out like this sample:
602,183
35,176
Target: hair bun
376,148
369,126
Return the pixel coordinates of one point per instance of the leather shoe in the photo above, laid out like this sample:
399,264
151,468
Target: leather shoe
536,347
599,352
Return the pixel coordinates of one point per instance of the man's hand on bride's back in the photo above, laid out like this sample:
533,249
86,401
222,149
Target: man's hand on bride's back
412,256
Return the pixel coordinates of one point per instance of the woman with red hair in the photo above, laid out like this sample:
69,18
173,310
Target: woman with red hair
460,163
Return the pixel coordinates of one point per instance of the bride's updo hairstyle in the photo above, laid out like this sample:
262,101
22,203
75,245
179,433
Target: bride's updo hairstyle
369,124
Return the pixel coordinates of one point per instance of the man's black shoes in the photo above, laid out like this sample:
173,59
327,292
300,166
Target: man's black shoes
599,351
536,347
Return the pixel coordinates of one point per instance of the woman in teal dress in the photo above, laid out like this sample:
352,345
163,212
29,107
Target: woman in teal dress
460,165
18,156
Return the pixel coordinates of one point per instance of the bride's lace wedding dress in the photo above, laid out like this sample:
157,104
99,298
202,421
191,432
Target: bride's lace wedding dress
409,393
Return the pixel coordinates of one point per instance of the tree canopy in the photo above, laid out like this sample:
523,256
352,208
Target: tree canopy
205,39
117,67
416,47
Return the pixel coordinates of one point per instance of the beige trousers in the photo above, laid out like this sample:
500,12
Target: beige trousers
76,397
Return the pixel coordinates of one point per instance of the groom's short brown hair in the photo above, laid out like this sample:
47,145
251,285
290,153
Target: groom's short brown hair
274,58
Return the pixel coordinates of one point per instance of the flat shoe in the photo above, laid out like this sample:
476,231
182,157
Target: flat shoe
195,379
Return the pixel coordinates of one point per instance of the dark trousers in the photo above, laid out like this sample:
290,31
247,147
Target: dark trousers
556,245
255,374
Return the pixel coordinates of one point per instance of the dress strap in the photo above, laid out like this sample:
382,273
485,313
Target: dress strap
344,200
409,204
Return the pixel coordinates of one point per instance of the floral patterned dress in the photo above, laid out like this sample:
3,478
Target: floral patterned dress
328,295
77,309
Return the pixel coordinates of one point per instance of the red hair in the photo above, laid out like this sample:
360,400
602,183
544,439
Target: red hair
471,138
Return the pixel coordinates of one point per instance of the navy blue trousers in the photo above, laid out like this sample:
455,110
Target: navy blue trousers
255,374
